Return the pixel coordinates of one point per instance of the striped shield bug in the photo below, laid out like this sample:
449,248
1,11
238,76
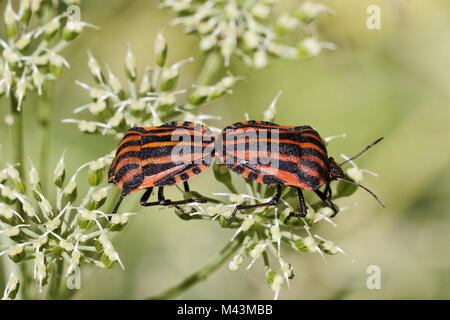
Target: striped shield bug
283,156
159,157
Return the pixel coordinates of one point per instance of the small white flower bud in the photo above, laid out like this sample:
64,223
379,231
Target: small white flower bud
23,41
35,5
52,26
114,83
236,262
97,107
232,11
137,105
260,11
70,191
10,21
207,26
247,223
12,287
66,245
130,63
87,126
260,59
10,56
257,251
208,42
28,209
94,68
251,39
167,99
145,85
12,232
355,173
100,195
53,224
275,232
38,79
160,48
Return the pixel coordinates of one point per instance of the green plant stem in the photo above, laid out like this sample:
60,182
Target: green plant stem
17,136
213,64
44,112
2,274
53,292
17,145
213,264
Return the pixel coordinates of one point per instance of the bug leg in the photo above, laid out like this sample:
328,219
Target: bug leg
186,186
273,202
122,195
303,207
328,192
327,201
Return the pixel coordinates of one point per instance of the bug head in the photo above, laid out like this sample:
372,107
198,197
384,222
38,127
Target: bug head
335,171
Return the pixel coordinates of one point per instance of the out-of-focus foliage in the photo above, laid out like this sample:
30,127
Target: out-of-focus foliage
391,82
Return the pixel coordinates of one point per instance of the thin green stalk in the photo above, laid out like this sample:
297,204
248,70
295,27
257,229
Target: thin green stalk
44,112
17,145
2,274
17,135
55,285
213,64
213,264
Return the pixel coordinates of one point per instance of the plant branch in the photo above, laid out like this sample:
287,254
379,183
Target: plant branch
213,264
17,136
44,112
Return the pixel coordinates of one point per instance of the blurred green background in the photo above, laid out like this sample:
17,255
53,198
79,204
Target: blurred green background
393,82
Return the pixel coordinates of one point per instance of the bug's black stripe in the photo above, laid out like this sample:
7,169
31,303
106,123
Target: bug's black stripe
123,170
177,136
135,154
313,182
155,168
128,144
315,153
316,167
169,179
133,183
269,179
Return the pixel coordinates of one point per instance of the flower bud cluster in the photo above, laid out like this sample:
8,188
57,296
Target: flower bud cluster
36,32
71,228
151,99
253,30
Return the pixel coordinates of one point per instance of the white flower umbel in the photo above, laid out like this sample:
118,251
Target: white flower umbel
67,230
30,50
149,101
251,29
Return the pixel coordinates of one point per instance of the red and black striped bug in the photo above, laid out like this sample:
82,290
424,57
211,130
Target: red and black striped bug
282,155
159,157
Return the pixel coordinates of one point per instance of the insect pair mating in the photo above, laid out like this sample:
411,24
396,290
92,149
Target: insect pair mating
155,157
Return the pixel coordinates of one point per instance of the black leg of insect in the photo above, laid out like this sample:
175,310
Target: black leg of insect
162,201
303,208
327,201
327,191
273,202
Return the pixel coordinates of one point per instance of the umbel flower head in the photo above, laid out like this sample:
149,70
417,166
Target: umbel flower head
152,97
30,52
74,229
251,29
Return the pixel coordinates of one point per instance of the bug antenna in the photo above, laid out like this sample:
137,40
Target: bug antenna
359,185
364,150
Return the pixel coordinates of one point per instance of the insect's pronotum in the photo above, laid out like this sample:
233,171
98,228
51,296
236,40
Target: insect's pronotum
159,157
282,155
